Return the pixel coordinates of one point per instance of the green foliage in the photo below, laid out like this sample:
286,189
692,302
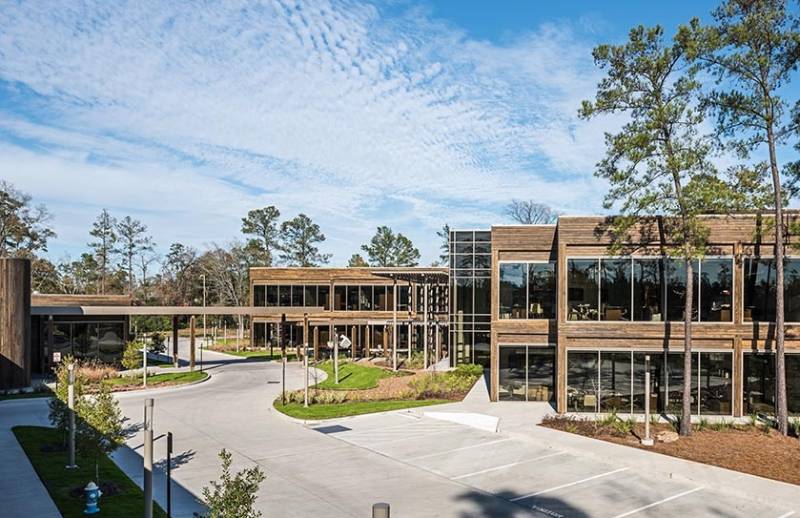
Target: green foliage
446,385
299,239
23,227
262,224
472,370
132,356
703,424
389,249
357,261
58,406
234,495
352,376
157,344
102,423
105,238
349,408
444,248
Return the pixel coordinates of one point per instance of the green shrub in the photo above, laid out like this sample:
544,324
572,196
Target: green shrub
132,356
448,385
235,493
468,370
702,425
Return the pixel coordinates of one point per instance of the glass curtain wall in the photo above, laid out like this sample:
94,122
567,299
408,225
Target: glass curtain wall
759,289
527,373
760,386
527,290
470,296
649,289
102,340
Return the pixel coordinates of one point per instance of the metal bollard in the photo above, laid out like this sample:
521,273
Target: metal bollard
148,458
380,510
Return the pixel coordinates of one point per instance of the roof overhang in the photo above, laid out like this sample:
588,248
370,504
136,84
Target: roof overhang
167,310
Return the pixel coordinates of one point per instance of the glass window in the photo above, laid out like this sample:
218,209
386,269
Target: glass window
285,296
615,289
675,382
615,381
464,262
484,236
647,293
297,296
513,294
759,383
464,235
340,298
272,295
464,296
260,334
541,373
82,340
483,248
676,289
582,387
759,289
716,290
380,299
324,296
483,348
62,339
542,290
793,383
111,342
582,289
512,375
259,295
483,296
482,261
365,300
352,298
463,248
657,381
716,376
310,296
791,280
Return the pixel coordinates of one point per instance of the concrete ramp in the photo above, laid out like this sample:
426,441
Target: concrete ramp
483,422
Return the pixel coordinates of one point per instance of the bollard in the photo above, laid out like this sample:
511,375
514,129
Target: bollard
380,510
148,458
647,440
93,495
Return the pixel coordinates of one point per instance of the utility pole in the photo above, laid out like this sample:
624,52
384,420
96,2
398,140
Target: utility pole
71,405
148,458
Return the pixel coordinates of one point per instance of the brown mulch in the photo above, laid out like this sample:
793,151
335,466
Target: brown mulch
742,448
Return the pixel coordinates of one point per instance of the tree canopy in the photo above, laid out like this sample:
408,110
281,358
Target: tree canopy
389,249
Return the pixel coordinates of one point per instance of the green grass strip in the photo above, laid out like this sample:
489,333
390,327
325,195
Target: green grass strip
59,481
154,380
330,411
352,376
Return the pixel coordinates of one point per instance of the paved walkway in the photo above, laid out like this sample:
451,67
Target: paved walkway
23,492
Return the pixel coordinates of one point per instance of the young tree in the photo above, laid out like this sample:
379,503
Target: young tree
78,276
357,261
105,235
752,50
529,212
22,227
146,258
299,239
263,225
133,240
389,249
227,272
234,495
179,275
444,248
100,431
657,159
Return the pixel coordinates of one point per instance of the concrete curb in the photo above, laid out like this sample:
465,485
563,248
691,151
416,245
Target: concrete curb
728,481
163,390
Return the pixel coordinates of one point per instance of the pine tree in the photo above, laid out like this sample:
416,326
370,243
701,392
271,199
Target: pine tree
299,239
104,232
389,249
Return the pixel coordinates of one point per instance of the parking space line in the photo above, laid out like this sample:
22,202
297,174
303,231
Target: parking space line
786,515
504,466
459,449
562,486
664,500
391,438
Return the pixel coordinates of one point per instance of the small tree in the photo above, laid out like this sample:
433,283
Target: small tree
131,357
133,240
100,429
59,405
234,495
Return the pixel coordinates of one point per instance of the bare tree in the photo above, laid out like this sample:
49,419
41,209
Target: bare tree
528,212
227,271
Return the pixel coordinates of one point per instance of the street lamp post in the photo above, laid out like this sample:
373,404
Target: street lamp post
647,441
205,335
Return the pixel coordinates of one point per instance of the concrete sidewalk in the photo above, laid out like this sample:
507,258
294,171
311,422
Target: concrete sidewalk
23,492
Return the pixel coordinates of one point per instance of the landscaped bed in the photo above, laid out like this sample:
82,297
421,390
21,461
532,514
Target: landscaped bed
48,455
256,354
364,388
155,380
754,448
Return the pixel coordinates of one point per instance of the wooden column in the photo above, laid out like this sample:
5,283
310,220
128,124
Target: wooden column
385,336
316,343
15,323
175,340
738,377
367,340
561,346
306,340
354,339
192,333
410,338
51,338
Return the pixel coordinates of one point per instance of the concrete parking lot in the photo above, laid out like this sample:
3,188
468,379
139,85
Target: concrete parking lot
541,481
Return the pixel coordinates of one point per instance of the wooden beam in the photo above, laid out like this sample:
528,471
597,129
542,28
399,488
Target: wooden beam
175,340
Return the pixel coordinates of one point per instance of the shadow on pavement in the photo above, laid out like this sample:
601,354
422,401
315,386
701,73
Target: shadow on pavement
500,504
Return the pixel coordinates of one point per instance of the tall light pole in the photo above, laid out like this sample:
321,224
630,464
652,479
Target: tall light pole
204,305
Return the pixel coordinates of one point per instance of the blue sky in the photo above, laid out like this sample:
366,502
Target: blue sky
408,114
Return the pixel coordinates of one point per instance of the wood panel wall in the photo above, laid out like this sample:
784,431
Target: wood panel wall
15,323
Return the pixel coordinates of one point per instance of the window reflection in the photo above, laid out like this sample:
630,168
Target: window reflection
648,275
615,290
582,381
583,289
513,278
716,290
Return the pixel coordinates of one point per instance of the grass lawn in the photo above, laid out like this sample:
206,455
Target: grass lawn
260,354
155,380
352,376
60,482
329,411
27,395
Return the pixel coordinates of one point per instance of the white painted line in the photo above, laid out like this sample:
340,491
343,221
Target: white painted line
459,449
562,486
786,515
648,506
504,466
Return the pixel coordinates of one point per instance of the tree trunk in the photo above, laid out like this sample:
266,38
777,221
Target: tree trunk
781,409
686,412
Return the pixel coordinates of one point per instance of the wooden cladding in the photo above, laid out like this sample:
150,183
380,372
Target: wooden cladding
48,300
298,275
15,323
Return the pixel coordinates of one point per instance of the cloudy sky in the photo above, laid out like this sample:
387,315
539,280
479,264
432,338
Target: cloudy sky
408,114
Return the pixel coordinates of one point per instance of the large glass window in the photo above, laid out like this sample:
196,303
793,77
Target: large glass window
582,285
791,280
615,289
352,298
542,290
676,289
297,296
365,301
716,381
582,381
716,290
324,296
259,295
464,296
657,380
648,275
615,381
310,296
272,295
527,373
760,386
759,289
483,296
483,348
404,298
513,290
380,299
340,298
284,296
111,342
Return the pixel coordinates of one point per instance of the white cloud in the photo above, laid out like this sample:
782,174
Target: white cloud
333,109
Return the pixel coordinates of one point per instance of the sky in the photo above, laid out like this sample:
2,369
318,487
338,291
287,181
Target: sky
409,114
